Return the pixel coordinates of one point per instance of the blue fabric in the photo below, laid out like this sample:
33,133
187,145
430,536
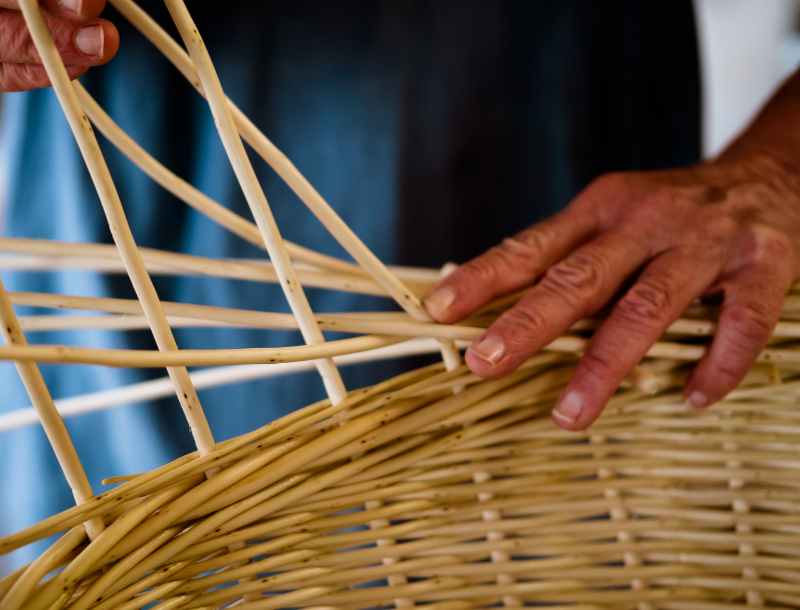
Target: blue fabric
353,159
411,118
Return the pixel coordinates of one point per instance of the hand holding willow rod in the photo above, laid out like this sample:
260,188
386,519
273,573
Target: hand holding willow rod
83,40
729,227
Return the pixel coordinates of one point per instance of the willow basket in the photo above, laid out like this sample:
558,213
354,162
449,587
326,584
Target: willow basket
434,488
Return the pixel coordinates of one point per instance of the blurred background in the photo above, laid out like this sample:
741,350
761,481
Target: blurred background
747,48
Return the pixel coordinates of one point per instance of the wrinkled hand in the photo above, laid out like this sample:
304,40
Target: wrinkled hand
82,39
665,238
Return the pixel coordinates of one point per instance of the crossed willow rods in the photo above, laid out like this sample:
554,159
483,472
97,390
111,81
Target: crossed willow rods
372,277
202,74
335,274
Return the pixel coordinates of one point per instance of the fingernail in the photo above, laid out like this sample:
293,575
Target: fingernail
490,349
440,299
89,40
518,246
569,408
697,400
447,269
73,5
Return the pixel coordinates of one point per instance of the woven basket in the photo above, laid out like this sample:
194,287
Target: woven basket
434,488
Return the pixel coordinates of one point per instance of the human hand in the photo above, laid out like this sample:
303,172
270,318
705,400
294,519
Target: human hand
82,39
729,228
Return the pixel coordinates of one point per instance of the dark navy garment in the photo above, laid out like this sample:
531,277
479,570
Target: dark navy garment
434,127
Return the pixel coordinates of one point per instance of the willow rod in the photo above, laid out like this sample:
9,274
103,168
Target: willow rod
174,263
364,324
102,257
256,271
194,197
45,408
192,464
184,358
42,566
418,278
279,162
254,194
207,378
32,324
118,224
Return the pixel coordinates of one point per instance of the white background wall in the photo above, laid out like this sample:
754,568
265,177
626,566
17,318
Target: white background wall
747,47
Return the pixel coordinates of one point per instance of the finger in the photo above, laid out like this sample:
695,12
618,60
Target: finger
578,285
24,77
664,289
515,263
751,307
80,10
79,43
754,284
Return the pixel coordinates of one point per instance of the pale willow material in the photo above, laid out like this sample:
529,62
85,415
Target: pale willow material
435,488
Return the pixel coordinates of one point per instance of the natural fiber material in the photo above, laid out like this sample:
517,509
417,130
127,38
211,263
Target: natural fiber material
406,492
434,488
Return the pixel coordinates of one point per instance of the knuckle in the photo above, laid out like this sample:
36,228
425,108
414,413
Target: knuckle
601,197
32,77
647,301
751,321
727,374
63,32
660,196
662,206
21,77
484,270
17,42
532,242
520,256
610,182
713,228
763,244
580,275
718,227
524,322
778,246
747,327
601,364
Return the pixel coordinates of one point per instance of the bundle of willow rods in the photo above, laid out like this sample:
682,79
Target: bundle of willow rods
433,488
407,493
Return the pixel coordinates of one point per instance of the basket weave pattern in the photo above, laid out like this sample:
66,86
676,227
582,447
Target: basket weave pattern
434,488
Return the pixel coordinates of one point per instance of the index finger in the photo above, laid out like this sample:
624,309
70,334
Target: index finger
515,263
79,10
575,287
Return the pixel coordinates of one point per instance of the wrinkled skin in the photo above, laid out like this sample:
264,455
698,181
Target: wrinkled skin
728,228
83,40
